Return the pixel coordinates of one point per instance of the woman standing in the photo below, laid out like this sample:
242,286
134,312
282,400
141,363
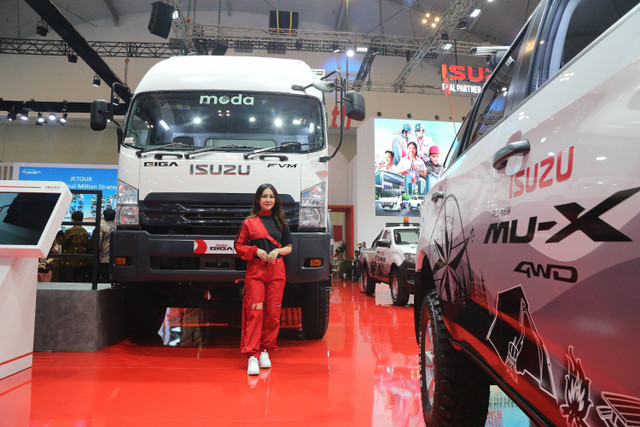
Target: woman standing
263,240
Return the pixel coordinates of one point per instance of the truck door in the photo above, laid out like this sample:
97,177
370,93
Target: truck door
562,215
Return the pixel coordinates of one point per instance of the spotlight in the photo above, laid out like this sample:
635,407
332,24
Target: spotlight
11,116
350,52
40,119
96,81
444,35
24,115
116,101
72,58
42,28
336,48
52,117
62,120
447,46
362,49
463,25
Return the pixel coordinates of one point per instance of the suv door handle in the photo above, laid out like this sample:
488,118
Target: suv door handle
437,195
511,149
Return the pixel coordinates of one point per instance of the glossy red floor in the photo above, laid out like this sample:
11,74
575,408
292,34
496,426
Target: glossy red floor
363,373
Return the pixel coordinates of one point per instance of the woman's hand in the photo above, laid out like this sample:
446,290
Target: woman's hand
273,255
262,254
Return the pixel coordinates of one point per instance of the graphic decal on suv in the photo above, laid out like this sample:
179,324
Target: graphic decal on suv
515,338
562,273
619,410
589,223
577,390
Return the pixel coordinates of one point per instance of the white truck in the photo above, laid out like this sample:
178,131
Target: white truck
201,134
391,259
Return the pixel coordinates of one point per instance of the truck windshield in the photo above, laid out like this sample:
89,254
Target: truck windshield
407,237
390,193
230,121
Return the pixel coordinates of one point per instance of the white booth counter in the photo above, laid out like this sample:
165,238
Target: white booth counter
31,213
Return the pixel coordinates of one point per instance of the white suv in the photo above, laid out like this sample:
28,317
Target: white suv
415,202
528,263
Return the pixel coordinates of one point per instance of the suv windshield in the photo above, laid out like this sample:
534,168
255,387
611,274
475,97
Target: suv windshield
230,120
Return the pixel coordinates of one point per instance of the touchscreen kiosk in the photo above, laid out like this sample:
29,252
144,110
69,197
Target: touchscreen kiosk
31,213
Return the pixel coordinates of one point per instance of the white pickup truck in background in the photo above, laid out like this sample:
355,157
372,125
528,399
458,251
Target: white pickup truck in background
391,259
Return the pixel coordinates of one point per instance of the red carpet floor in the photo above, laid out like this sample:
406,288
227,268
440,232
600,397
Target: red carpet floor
363,373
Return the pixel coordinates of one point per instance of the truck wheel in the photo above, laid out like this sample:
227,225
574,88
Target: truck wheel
455,391
145,311
399,295
367,283
315,311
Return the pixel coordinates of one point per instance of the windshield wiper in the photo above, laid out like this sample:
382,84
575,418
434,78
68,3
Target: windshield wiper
224,147
142,151
278,147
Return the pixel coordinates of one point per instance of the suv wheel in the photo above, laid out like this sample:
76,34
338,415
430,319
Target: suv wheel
315,311
399,295
454,390
367,283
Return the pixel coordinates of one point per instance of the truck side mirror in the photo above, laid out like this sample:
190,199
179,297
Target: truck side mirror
384,243
354,105
99,114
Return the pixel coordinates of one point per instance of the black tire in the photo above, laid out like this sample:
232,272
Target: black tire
455,391
399,295
367,283
315,311
145,311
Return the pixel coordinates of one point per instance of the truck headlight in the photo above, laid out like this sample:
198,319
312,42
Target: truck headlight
410,257
127,212
313,204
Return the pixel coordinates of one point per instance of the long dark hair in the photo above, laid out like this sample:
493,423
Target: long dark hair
276,212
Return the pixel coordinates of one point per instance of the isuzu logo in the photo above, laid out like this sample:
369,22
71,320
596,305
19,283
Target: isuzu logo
213,169
225,99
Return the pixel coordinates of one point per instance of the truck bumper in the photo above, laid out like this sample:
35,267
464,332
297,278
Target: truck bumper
172,258
408,275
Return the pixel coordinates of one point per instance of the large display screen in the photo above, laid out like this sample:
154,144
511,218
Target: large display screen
402,173
24,216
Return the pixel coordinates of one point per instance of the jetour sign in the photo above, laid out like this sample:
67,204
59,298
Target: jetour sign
463,79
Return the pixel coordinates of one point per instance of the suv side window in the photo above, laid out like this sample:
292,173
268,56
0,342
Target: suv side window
491,107
570,27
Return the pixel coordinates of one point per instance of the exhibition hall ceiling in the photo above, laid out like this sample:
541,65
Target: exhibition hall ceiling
498,23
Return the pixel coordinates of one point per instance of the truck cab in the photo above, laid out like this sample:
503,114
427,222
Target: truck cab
201,134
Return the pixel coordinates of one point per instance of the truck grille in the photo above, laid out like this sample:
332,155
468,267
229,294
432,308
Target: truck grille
203,213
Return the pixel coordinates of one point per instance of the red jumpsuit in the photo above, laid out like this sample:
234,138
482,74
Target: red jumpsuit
264,283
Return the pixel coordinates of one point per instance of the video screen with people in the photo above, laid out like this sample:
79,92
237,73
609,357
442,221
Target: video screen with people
24,216
408,159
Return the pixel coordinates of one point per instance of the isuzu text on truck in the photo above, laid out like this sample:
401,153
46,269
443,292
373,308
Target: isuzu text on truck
201,134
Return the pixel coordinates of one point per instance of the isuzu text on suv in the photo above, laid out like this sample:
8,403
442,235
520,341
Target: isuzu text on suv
528,262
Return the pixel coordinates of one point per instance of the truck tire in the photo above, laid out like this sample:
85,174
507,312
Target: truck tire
399,295
455,391
315,311
367,283
145,311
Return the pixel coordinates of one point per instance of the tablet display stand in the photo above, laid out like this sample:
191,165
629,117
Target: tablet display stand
31,213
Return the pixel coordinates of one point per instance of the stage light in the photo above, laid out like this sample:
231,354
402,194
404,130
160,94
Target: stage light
40,119
474,13
11,115
336,48
72,58
463,25
24,115
444,35
52,117
62,119
447,46
362,49
96,81
42,28
350,52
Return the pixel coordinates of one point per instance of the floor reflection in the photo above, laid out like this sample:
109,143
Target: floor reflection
364,372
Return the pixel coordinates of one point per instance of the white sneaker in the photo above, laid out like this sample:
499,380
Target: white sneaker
253,368
265,362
